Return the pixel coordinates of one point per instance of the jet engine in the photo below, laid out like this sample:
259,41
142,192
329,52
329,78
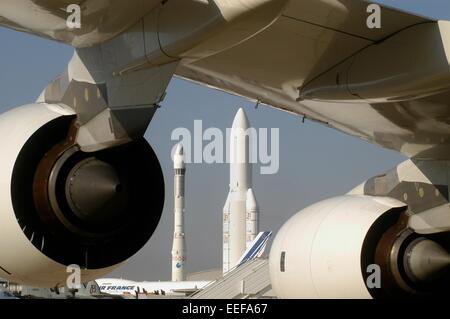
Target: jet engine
60,206
357,246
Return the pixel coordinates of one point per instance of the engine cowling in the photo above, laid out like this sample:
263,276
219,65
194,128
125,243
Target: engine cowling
358,246
60,206
324,250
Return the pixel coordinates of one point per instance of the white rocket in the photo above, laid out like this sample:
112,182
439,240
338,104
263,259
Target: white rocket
179,242
252,217
240,213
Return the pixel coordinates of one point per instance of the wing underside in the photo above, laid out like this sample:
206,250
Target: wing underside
101,20
310,38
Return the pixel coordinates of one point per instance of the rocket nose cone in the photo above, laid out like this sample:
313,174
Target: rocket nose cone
240,120
178,157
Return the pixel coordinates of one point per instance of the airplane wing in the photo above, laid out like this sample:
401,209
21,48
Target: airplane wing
319,59
102,20
300,51
309,38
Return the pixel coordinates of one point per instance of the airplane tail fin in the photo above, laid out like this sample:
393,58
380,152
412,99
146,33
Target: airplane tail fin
256,248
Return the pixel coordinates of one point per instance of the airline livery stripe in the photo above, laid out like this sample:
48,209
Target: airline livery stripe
256,249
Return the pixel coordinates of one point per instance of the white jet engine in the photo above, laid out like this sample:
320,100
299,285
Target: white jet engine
357,247
60,206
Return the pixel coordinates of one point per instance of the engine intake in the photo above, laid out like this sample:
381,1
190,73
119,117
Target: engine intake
61,206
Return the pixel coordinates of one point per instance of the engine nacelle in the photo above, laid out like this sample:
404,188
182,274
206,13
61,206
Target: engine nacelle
325,250
60,206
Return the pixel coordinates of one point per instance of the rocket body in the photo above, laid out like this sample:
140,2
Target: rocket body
239,225
252,217
179,241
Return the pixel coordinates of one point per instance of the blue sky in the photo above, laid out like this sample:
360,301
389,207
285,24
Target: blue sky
315,162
